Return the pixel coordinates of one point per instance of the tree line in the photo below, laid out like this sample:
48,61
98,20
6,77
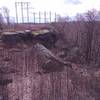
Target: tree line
84,32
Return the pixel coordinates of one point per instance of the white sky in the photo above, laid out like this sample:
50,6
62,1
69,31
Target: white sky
63,7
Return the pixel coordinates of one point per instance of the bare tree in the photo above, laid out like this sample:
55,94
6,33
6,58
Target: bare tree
1,22
88,32
61,27
6,14
90,26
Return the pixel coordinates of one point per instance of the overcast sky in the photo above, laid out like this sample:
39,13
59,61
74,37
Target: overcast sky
63,7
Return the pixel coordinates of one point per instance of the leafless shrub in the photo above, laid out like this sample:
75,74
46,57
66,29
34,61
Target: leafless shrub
1,22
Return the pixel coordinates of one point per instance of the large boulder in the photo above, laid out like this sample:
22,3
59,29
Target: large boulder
47,60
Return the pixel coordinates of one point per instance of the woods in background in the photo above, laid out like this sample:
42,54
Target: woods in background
83,33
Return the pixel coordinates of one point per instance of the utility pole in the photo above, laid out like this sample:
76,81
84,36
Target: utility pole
45,16
27,3
16,12
55,17
34,16
50,16
39,17
22,11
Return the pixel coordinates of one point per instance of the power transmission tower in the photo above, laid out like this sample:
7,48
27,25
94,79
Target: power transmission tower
22,6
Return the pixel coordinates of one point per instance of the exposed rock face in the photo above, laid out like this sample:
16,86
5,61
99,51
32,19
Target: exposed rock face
15,38
48,39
